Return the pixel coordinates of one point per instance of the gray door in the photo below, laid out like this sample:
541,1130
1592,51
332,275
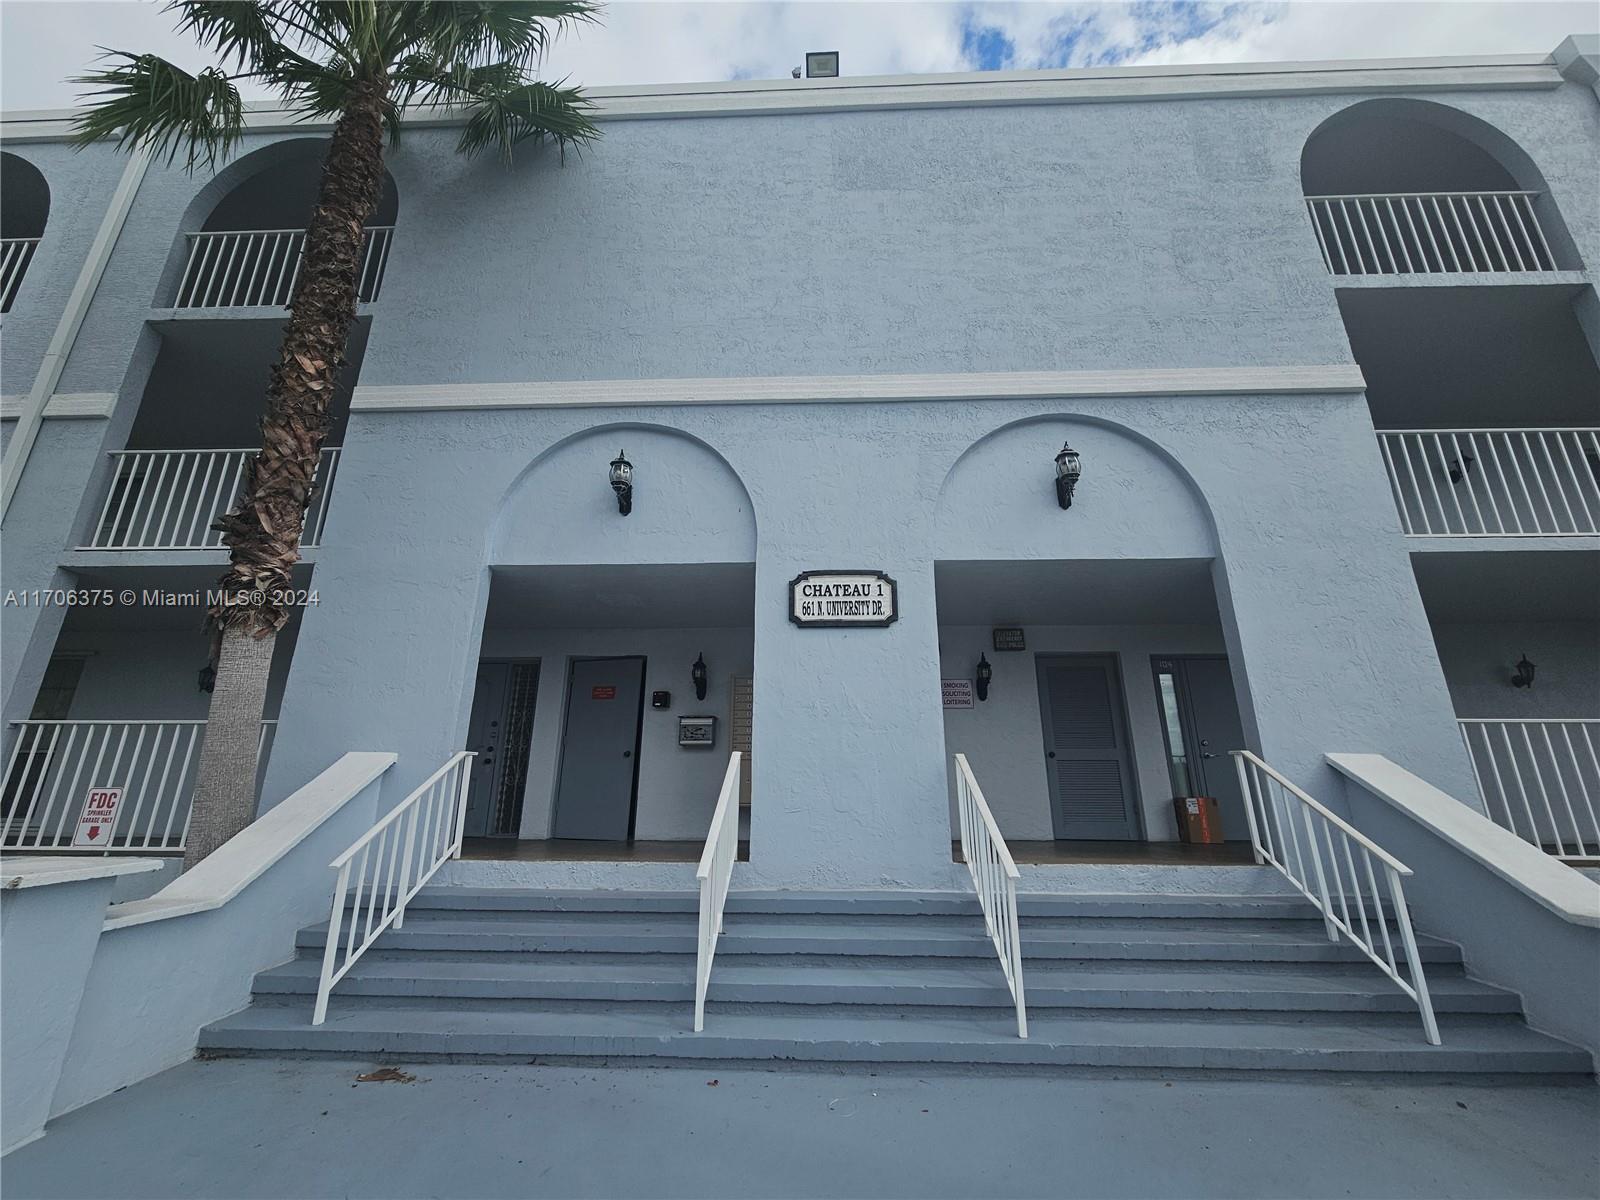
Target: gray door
1208,712
600,750
1087,760
501,731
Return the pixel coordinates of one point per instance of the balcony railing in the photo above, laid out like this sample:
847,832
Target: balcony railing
15,255
168,499
54,765
259,267
1495,482
1430,233
1541,780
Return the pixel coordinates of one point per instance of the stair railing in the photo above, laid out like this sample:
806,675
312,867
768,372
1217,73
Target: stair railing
1330,863
390,864
715,873
994,876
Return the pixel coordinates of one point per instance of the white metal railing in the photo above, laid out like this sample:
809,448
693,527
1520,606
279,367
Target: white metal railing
994,876
390,864
15,255
1541,780
1430,233
168,499
1331,863
259,267
715,873
1495,482
54,765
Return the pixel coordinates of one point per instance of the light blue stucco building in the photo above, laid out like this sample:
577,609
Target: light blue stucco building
1323,338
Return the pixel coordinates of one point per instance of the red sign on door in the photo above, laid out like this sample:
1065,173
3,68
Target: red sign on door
602,691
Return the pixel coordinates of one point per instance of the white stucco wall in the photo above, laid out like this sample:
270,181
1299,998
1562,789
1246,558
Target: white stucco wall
1479,659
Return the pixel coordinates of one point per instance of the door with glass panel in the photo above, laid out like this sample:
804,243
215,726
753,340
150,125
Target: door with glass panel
1200,718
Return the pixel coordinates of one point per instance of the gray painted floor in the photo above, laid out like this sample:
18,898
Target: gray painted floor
273,1128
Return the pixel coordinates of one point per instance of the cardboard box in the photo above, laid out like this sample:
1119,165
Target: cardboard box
1199,821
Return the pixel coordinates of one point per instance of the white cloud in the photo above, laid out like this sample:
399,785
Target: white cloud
43,42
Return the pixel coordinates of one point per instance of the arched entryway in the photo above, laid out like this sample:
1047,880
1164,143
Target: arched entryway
1085,663
615,668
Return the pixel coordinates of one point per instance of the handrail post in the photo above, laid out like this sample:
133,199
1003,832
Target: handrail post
330,951
463,786
1249,808
405,867
1322,880
1430,1025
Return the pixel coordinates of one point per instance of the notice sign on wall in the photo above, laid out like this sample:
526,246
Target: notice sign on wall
99,817
602,691
957,692
839,599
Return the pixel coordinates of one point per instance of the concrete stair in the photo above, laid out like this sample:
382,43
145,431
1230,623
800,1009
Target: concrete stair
1133,982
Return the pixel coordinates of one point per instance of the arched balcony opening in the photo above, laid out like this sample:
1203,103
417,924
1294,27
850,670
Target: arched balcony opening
24,209
245,250
1408,187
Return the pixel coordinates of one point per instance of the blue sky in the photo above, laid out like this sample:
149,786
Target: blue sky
43,42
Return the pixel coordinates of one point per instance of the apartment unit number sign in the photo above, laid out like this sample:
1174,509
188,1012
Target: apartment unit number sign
842,599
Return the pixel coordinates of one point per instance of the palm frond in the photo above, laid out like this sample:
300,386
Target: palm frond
532,111
149,102
517,32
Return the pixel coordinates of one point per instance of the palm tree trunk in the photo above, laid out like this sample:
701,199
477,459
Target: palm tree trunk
263,530
227,774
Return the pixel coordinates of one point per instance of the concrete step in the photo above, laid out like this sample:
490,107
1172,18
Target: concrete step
1075,938
1328,1042
885,903
1332,988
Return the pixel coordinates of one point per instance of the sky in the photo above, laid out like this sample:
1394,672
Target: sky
45,42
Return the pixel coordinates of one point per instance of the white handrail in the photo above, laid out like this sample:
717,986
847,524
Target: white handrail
994,876
403,851
1309,851
715,873
1430,233
15,255
255,268
1495,482
169,499
54,765
1540,778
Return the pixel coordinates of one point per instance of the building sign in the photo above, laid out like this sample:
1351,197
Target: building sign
957,692
99,817
839,599
602,691
1009,639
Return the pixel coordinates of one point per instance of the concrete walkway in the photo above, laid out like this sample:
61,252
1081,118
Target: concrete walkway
273,1128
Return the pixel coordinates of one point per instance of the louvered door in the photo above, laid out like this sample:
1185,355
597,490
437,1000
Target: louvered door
1087,761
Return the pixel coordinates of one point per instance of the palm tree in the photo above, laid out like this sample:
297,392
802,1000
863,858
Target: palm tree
360,63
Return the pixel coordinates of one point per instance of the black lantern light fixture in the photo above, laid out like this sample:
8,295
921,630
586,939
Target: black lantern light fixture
208,677
1522,677
1069,468
698,674
982,675
622,482
1461,467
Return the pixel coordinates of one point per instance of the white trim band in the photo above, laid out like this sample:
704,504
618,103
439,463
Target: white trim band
967,89
860,389
67,405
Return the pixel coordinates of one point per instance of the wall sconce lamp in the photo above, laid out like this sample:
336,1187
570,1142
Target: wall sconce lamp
1069,468
208,677
698,674
1522,677
982,675
1461,467
622,482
